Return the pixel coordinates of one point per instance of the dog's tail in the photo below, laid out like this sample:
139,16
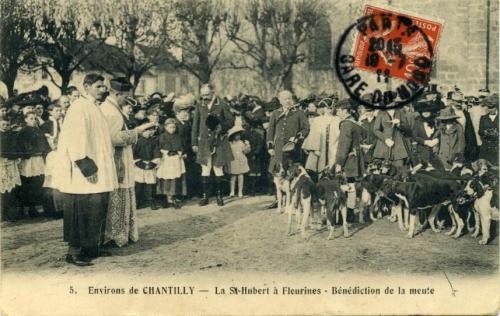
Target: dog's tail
470,228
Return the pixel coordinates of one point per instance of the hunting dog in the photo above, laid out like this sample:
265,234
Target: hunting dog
302,192
331,192
485,191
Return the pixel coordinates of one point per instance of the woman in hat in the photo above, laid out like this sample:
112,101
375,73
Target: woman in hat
488,130
425,139
451,137
239,166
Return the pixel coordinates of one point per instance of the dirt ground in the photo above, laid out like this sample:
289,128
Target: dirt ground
243,236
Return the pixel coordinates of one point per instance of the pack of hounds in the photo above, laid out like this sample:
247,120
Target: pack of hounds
465,199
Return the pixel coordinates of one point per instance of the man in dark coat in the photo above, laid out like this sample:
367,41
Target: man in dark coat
286,124
488,130
182,108
456,101
391,128
212,119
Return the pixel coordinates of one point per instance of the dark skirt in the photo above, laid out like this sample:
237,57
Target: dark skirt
31,192
84,218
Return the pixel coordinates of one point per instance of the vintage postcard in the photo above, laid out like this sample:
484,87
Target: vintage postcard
257,157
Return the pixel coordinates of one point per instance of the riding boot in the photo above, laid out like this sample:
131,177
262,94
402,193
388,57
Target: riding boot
219,190
205,189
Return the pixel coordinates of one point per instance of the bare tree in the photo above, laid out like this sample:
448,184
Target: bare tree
196,30
139,30
17,34
69,32
273,36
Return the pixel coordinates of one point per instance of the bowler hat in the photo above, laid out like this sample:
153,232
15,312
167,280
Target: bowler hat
345,104
427,106
491,101
447,114
120,84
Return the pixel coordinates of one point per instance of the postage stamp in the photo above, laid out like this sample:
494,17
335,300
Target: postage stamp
391,57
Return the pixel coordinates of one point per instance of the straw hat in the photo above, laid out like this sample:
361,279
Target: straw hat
235,129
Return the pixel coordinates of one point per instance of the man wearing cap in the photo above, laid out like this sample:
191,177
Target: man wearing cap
488,130
286,125
121,224
212,119
321,143
182,108
451,137
456,101
476,111
86,173
390,128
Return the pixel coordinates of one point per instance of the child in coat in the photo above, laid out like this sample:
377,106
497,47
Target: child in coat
10,179
171,166
146,158
239,166
34,147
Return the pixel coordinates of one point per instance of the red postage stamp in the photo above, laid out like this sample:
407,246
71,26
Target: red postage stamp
396,44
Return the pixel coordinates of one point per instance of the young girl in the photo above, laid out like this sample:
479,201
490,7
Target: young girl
34,147
239,166
146,157
171,166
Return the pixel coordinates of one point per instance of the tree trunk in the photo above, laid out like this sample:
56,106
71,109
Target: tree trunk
287,80
65,77
204,69
10,87
9,79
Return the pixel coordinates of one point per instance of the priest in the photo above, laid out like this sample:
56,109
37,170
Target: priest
121,226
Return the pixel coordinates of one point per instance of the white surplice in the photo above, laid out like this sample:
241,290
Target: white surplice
84,133
121,226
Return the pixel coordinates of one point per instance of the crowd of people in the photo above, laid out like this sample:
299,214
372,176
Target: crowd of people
94,157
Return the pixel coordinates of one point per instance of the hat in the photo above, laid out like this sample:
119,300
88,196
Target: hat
212,122
170,121
456,96
447,114
483,93
153,102
427,106
345,104
491,101
183,102
235,129
325,102
272,105
120,84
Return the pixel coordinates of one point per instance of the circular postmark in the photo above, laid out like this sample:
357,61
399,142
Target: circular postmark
390,59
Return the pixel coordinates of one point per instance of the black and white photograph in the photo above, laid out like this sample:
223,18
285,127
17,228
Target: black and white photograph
256,157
